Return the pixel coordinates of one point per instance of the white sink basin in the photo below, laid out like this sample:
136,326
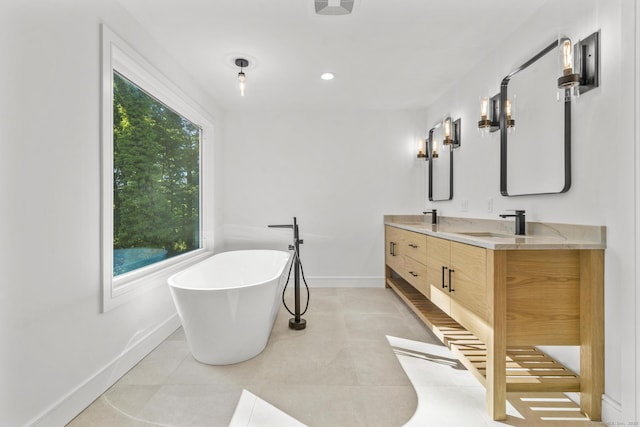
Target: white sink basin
488,234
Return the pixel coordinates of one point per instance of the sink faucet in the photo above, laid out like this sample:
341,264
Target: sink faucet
520,221
434,215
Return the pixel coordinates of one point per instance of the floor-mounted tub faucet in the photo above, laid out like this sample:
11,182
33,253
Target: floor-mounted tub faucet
297,323
434,215
520,221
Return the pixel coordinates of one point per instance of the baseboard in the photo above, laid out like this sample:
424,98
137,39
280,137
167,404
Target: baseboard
612,411
345,281
70,405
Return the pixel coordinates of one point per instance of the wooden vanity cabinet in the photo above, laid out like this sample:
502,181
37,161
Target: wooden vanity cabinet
438,263
393,244
469,298
457,282
509,301
406,254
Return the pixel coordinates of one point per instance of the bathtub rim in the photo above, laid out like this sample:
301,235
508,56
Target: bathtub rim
172,279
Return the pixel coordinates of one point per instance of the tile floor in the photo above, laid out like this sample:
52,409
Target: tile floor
364,360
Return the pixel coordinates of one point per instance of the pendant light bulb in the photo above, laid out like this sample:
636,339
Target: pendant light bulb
567,57
242,78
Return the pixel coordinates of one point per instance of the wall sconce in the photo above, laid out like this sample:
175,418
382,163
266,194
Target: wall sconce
422,148
580,63
509,108
451,133
489,114
242,63
569,81
434,153
432,145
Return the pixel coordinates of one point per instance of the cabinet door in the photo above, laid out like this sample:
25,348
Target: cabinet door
468,281
393,248
437,272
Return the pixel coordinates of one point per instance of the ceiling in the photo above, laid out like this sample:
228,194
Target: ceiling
388,54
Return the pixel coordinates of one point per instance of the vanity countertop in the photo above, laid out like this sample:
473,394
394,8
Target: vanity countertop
499,234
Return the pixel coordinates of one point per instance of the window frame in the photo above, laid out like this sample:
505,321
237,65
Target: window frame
118,56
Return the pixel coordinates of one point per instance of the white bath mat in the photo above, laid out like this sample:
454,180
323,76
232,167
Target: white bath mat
252,411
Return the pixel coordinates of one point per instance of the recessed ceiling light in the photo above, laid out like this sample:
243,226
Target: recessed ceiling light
327,76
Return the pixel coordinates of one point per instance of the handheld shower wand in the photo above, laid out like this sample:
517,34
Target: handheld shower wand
297,322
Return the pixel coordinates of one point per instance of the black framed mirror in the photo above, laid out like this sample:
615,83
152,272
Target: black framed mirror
535,137
440,165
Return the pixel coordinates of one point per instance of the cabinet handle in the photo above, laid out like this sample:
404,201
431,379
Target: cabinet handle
413,274
451,287
392,248
443,269
414,246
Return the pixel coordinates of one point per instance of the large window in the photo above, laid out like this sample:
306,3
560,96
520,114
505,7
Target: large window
156,180
153,140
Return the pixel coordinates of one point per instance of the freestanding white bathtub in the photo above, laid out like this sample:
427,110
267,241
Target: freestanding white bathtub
228,303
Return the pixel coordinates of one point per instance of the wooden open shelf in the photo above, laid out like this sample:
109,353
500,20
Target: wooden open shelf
528,369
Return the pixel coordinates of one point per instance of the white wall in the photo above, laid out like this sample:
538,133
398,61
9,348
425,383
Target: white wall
57,350
602,157
338,172
636,113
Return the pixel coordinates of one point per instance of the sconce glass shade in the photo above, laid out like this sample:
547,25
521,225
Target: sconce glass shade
421,149
569,81
484,107
434,148
566,56
484,124
509,111
447,132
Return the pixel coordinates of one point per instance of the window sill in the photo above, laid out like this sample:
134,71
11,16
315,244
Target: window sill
128,286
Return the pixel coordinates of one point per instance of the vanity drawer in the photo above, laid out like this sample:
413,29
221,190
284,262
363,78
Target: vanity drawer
415,273
415,246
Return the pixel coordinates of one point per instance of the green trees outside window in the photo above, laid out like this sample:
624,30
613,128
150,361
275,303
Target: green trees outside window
156,179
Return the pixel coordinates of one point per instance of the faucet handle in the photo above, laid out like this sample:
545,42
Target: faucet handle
516,211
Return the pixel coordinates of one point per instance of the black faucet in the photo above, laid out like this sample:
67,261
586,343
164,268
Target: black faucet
434,215
520,221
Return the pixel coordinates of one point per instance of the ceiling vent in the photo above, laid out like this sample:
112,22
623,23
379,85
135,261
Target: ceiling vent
333,7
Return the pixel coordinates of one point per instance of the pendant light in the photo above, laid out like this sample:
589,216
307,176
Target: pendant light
242,63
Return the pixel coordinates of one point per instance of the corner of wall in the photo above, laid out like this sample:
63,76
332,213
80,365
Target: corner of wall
70,405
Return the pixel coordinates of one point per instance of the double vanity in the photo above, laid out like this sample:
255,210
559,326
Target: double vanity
492,297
